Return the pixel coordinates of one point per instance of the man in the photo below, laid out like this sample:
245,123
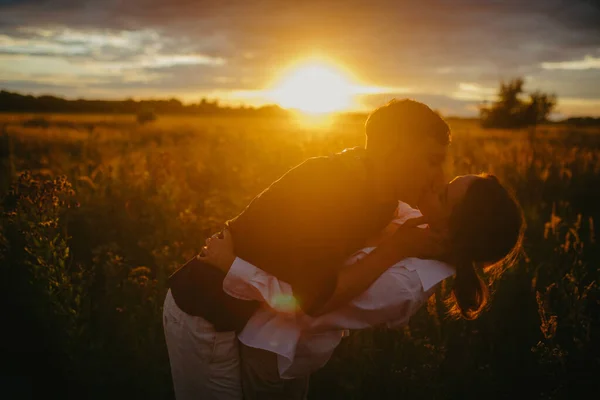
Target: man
303,226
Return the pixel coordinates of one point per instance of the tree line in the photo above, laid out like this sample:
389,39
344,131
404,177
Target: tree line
513,108
16,102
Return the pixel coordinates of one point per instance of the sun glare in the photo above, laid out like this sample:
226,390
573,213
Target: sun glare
314,89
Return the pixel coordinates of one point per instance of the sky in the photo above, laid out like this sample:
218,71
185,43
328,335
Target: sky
450,54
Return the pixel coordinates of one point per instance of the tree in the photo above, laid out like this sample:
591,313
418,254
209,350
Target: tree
510,110
540,106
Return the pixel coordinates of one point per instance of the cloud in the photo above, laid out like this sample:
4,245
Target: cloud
27,86
91,58
474,92
130,49
588,62
10,45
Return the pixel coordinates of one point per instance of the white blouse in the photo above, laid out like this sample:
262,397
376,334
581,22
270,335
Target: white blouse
303,343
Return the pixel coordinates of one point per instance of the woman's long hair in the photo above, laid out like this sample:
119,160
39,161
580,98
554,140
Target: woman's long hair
485,228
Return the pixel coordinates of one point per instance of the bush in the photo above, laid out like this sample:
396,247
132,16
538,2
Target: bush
38,122
145,117
511,111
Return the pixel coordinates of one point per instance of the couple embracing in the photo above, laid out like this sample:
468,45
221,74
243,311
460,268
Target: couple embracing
349,241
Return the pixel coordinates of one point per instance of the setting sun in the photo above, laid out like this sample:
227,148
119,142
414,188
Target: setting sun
315,89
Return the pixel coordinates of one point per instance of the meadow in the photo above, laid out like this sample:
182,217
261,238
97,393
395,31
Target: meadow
97,210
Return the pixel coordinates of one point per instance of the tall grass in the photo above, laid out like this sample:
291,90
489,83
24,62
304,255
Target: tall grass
97,211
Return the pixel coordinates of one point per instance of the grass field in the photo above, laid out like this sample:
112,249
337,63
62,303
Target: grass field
102,209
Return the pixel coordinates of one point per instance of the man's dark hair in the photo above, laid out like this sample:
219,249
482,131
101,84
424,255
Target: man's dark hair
404,119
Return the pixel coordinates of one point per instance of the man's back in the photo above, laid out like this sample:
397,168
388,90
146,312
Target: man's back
298,229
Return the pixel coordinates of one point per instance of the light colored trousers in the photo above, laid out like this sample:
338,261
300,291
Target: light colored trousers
206,364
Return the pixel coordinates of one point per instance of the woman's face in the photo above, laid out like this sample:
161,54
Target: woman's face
437,206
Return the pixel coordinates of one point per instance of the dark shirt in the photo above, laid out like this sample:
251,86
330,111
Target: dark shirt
300,229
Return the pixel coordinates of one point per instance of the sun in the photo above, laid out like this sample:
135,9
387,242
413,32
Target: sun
315,89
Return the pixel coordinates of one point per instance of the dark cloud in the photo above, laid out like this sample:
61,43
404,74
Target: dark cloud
35,87
42,53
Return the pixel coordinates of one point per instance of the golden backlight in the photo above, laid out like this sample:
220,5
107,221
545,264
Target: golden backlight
314,88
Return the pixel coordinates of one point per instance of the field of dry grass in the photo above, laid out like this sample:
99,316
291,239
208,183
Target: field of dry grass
88,254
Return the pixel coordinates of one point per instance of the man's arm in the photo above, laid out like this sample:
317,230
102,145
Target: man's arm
392,297
246,281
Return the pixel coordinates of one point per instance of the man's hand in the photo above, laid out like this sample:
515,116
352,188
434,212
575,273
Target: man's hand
411,241
219,251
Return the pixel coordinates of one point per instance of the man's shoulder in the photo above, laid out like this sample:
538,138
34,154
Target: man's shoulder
346,161
309,165
325,169
316,179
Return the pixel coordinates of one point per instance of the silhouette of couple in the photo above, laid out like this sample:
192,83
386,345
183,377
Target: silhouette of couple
349,241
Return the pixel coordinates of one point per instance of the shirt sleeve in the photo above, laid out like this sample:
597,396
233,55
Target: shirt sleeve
247,282
391,300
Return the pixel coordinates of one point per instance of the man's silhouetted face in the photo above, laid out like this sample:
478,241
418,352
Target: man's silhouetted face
415,168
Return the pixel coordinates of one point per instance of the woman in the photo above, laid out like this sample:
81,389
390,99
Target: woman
484,227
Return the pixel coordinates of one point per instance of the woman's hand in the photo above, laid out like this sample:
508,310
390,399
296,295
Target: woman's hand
219,251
